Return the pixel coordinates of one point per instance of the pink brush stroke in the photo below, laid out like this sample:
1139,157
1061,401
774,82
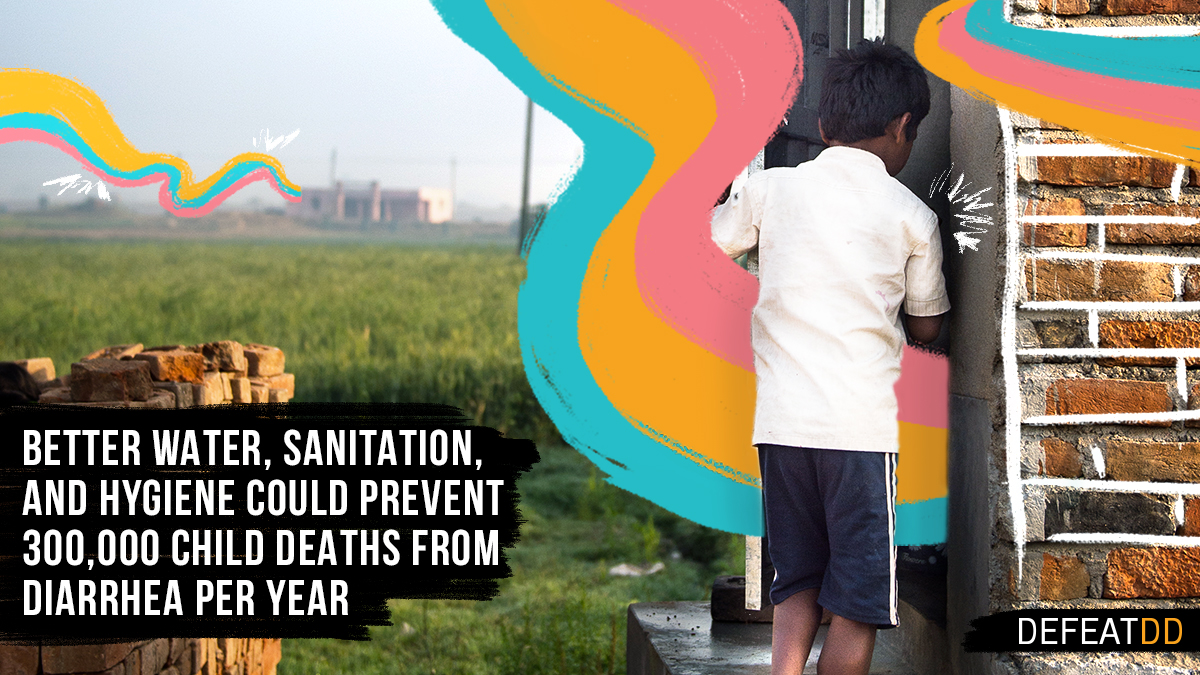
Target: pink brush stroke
1159,103
164,193
753,65
922,389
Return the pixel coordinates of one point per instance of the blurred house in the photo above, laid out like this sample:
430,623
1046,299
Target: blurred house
369,202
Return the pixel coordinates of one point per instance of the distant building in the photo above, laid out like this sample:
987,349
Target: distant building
371,203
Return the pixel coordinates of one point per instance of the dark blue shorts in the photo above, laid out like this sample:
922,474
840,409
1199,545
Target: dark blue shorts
831,525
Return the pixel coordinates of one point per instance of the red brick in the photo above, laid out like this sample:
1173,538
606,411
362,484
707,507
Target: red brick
57,395
84,658
272,651
1153,233
212,392
1063,7
1121,334
1063,578
286,381
110,380
158,399
1062,458
183,392
263,361
1069,206
239,388
1153,573
1191,518
115,352
1096,397
1191,284
41,369
1127,7
1147,209
1055,234
1170,462
154,656
226,355
1119,281
174,366
254,656
18,660
1119,170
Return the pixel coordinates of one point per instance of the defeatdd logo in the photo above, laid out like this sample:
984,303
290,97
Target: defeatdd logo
1083,630
1052,631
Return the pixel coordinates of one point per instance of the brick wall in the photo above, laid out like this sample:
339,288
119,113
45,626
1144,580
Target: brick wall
175,656
1108,351
1095,465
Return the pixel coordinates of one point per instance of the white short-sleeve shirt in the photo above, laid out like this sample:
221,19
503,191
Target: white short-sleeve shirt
841,245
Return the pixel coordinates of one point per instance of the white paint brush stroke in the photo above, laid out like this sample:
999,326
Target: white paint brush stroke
1098,460
1008,339
1118,538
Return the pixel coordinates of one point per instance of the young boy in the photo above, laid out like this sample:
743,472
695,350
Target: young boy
841,245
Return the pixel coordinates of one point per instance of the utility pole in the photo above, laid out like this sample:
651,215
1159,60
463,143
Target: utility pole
333,168
524,231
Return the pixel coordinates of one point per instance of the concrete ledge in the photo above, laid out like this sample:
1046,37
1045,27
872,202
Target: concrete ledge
677,638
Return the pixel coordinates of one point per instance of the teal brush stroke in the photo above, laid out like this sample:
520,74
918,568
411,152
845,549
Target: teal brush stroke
1172,61
921,523
615,161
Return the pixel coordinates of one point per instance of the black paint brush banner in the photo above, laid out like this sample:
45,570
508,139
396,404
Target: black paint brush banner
265,520
1086,630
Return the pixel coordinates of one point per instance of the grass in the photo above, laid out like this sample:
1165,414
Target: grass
389,323
357,322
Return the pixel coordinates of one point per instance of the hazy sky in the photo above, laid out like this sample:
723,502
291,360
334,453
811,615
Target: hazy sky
386,83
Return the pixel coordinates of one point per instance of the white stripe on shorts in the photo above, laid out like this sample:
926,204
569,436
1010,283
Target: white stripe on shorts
890,481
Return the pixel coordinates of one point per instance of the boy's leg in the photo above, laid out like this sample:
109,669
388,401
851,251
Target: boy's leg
799,548
793,630
847,649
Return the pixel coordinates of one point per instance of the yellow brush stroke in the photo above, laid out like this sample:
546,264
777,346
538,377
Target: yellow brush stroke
649,372
1144,137
921,469
24,90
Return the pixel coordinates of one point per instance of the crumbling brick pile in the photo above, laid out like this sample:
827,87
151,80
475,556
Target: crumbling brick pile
170,376
175,656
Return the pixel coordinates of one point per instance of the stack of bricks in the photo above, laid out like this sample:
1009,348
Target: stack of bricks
174,656
1107,350
171,376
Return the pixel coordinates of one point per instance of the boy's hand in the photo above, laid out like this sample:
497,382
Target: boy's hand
924,329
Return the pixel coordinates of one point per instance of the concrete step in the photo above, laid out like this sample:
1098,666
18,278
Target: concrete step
680,638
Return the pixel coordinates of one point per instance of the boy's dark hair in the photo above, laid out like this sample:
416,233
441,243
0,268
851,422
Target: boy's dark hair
867,87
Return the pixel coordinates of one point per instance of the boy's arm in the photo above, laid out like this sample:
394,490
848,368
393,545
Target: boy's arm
735,225
924,329
925,302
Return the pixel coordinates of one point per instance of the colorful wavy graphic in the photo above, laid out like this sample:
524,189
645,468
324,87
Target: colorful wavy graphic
634,327
1141,93
47,108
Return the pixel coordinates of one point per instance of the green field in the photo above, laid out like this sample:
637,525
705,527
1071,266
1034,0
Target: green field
357,322
388,323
